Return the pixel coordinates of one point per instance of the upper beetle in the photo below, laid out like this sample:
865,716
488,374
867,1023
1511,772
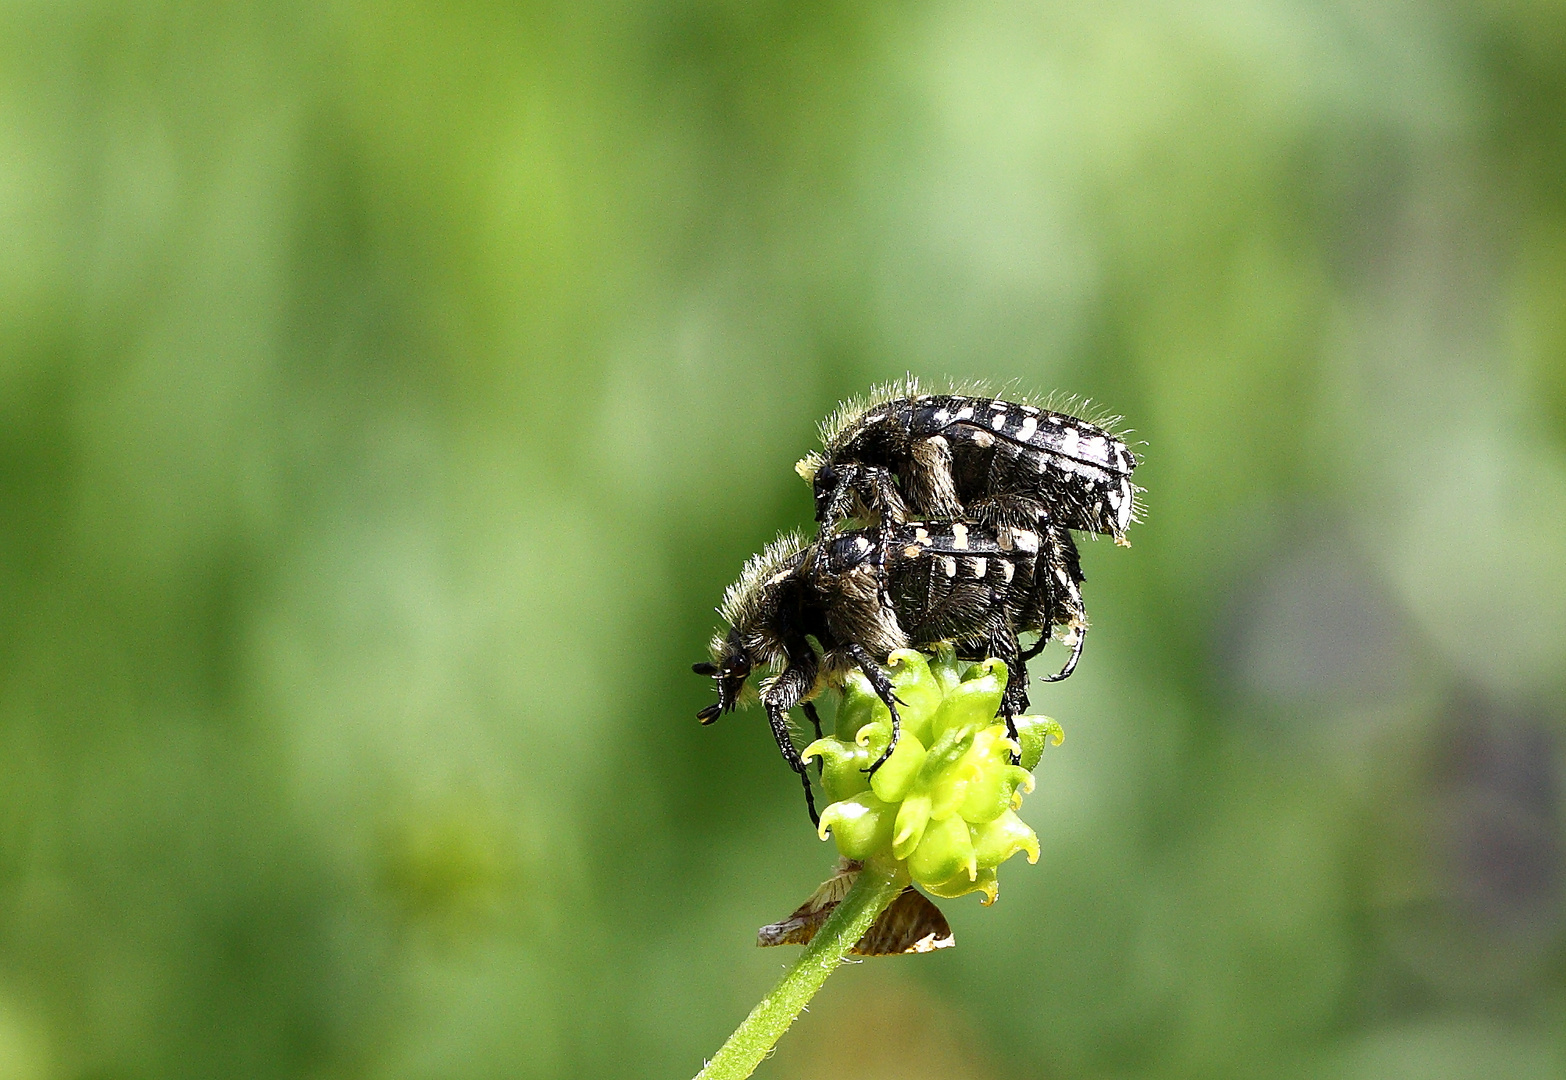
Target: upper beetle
903,453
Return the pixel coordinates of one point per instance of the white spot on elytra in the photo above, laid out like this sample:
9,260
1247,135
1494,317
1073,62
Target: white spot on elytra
1068,441
921,536
960,537
949,566
1096,448
965,413
998,420
861,544
1027,541
1030,410
1029,426
941,416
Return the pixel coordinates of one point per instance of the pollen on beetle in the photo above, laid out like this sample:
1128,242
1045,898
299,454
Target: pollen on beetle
808,466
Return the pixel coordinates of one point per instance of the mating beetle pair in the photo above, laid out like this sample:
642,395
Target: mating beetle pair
945,517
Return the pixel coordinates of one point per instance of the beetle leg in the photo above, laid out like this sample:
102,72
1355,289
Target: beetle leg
1014,699
778,717
883,560
882,684
1036,648
1079,632
1062,575
786,691
888,501
814,717
929,478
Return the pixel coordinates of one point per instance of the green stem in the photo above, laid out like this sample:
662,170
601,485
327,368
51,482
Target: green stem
874,888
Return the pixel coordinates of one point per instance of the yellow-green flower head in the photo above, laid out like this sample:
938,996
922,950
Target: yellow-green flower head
944,804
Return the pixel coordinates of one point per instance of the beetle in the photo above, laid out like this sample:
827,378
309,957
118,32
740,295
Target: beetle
812,611
901,453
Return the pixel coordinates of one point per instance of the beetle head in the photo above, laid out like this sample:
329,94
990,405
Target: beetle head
729,668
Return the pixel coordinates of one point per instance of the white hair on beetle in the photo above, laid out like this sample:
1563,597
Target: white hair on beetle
851,410
740,599
855,407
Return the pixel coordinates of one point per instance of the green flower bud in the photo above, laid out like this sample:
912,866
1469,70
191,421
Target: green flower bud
972,703
960,884
862,825
912,817
859,707
946,848
898,773
943,804
918,689
946,668
843,766
1032,733
993,791
996,841
870,723
949,789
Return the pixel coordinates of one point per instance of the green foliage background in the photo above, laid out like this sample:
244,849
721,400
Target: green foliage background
387,392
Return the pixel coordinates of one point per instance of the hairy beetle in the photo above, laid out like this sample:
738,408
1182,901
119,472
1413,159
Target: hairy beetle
902,453
810,612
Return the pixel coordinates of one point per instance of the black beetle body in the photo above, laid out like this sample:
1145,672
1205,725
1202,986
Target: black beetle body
902,454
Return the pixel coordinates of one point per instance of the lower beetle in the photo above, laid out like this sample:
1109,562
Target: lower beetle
860,594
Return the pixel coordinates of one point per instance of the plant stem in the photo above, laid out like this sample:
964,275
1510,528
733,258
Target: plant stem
874,888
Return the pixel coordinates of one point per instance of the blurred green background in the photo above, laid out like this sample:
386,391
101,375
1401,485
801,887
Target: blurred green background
388,391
